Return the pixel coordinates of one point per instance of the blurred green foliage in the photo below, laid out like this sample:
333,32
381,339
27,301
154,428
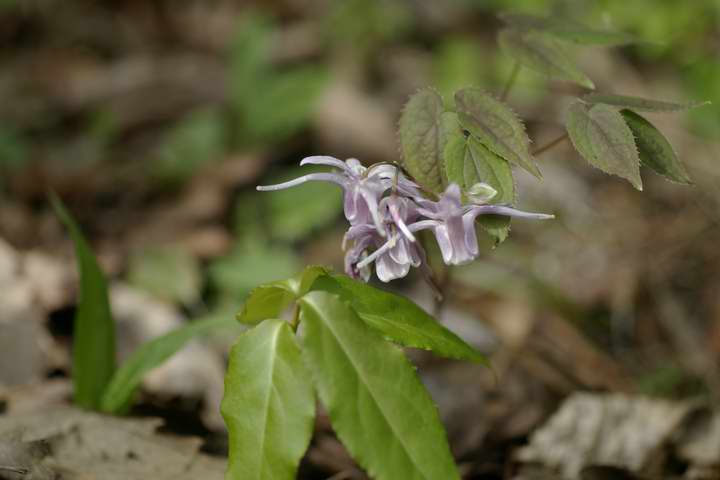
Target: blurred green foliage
268,104
192,143
170,273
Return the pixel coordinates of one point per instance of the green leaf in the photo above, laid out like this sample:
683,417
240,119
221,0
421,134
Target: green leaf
397,318
269,404
421,139
94,328
496,126
170,273
543,54
269,300
377,405
640,104
654,149
600,134
566,30
118,395
469,162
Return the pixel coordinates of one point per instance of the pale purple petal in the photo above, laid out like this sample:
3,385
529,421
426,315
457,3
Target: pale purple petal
507,211
387,270
322,177
470,237
372,205
443,241
325,160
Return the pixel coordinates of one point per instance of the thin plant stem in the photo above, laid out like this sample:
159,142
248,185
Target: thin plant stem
510,81
296,318
550,145
442,285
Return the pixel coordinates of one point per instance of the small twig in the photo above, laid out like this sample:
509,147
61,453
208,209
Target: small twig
550,145
510,81
442,286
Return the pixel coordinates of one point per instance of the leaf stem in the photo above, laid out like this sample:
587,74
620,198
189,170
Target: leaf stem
550,145
296,317
510,81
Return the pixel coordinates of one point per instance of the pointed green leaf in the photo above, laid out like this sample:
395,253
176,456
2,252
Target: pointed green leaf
496,126
640,104
601,136
118,395
469,162
567,30
543,54
94,328
397,318
377,405
421,139
269,300
654,149
269,405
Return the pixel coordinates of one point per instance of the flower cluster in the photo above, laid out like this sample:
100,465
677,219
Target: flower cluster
386,209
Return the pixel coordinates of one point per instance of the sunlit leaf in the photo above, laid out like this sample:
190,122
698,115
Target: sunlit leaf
601,136
567,30
269,404
654,149
421,135
269,300
119,393
94,328
543,54
170,273
377,405
640,104
496,126
397,318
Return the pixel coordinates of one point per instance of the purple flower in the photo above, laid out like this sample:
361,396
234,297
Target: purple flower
363,187
454,224
394,255
385,210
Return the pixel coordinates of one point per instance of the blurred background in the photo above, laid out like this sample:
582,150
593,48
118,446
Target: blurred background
154,120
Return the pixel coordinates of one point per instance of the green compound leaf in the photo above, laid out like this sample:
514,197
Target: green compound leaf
640,104
600,134
377,405
118,395
655,151
421,139
566,30
397,318
469,162
269,404
496,126
94,328
543,54
269,300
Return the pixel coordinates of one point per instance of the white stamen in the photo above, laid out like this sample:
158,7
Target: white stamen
384,248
